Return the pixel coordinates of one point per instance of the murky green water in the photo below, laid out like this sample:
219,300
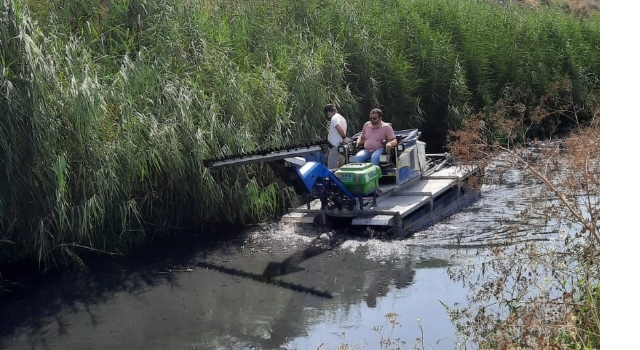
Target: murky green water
275,287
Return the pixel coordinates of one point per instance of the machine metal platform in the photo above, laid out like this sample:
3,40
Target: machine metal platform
415,204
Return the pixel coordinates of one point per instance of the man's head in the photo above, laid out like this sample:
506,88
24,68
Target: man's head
329,110
375,116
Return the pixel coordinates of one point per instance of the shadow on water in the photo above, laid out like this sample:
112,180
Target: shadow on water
273,270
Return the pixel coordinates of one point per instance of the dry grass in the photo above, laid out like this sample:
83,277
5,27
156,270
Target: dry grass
582,8
544,295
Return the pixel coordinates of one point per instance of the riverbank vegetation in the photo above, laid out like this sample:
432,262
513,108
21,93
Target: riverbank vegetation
109,107
529,291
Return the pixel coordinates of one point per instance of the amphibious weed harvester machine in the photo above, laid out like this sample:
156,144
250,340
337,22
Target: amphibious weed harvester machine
408,190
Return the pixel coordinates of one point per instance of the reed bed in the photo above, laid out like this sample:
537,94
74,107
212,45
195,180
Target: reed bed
109,107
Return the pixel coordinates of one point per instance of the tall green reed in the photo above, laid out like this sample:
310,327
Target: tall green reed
108,108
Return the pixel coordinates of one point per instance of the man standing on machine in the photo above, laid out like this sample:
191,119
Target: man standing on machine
337,133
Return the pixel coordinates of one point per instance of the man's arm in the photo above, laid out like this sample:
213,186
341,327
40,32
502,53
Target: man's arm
393,142
360,141
391,138
341,131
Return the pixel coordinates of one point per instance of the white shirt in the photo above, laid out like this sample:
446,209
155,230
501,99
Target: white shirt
334,137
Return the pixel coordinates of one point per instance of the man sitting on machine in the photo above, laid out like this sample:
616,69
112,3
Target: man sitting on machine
374,132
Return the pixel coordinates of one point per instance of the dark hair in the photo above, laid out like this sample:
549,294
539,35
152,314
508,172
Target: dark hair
378,111
329,108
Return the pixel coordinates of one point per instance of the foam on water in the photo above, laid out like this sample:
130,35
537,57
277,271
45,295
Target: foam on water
378,250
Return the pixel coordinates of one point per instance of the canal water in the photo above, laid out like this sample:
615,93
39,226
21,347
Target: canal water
271,286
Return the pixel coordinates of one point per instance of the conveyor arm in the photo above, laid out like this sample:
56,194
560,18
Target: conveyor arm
266,157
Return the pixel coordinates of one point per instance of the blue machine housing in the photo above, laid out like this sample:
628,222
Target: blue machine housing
316,176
